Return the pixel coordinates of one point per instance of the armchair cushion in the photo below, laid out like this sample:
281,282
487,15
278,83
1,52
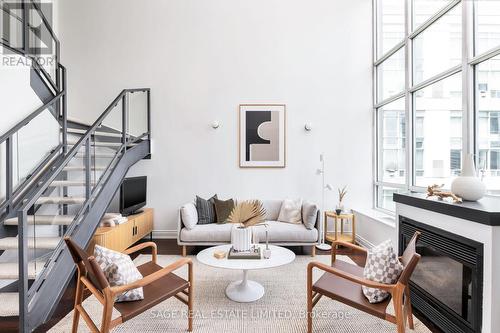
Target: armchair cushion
119,270
382,265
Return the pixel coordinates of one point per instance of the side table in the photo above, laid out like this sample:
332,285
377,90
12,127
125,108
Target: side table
336,235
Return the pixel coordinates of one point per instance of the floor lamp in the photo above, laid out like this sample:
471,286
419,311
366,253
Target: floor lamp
322,245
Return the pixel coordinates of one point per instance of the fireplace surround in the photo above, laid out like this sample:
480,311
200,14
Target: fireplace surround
476,228
446,286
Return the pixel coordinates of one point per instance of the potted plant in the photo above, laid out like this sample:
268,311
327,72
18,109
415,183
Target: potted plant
340,206
245,215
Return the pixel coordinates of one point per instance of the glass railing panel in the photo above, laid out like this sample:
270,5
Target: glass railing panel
33,143
42,44
137,114
113,122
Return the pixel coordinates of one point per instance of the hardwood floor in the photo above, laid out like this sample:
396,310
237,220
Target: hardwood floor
165,246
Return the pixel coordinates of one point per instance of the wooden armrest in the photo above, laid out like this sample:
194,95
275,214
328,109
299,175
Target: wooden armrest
154,276
154,249
352,246
350,277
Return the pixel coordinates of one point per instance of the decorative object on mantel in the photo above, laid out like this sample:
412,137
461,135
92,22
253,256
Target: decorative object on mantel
322,244
245,214
468,185
436,191
340,206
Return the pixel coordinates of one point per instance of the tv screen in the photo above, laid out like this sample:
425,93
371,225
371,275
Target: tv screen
133,195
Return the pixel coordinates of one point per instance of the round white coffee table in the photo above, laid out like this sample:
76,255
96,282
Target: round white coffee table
245,290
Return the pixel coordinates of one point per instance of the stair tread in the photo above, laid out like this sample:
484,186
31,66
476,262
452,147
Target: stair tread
98,133
69,183
78,168
81,155
10,270
98,144
48,243
10,304
62,200
44,220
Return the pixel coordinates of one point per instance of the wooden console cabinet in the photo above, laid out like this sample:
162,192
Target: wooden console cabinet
124,235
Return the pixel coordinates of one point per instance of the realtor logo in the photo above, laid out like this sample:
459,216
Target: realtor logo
39,40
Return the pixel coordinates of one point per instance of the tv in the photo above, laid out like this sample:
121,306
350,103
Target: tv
133,195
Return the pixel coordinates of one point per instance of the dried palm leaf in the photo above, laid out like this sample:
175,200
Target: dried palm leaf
247,213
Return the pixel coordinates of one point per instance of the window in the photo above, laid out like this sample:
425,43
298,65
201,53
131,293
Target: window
438,47
422,131
488,118
392,132
391,76
390,24
424,9
487,34
440,125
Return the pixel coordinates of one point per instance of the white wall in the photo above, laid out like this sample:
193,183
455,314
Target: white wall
202,59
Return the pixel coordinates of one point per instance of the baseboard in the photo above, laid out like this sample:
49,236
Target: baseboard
363,242
164,234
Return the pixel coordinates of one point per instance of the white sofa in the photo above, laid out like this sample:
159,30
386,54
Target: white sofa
279,233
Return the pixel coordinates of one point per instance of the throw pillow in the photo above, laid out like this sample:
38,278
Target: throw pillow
206,210
119,270
223,209
309,214
383,266
291,211
189,215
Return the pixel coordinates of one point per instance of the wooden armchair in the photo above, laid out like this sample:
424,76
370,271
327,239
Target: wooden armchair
158,284
342,282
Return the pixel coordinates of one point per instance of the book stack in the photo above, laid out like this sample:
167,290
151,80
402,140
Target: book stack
112,219
254,253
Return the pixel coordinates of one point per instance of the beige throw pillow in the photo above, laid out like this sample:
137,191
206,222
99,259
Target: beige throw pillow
291,211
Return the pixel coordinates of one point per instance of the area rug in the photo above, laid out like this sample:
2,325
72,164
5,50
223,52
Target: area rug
282,309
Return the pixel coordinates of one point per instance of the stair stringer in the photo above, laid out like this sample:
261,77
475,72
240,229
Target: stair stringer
44,302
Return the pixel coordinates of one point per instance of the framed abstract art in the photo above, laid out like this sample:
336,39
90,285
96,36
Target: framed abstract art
262,135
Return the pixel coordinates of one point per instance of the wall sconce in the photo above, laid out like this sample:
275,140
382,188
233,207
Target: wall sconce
308,127
215,124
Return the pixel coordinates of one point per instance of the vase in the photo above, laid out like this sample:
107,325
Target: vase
468,186
241,238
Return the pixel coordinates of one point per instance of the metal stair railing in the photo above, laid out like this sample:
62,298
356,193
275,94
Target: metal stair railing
26,294
14,193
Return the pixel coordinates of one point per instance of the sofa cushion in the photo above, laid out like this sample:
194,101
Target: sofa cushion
291,211
279,232
309,214
272,208
223,209
212,233
283,232
206,210
189,215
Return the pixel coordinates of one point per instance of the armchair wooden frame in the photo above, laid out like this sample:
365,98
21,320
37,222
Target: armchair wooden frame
91,277
400,291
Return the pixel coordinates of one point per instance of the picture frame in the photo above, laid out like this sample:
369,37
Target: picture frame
262,135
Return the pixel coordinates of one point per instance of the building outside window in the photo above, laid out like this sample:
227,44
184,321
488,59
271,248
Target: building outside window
425,120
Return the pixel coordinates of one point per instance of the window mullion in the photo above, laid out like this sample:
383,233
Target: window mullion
408,104
467,79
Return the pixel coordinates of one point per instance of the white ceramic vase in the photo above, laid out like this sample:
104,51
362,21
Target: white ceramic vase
241,238
468,186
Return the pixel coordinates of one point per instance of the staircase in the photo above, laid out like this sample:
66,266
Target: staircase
60,176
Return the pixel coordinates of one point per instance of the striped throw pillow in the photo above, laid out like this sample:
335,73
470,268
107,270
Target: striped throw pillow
206,210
